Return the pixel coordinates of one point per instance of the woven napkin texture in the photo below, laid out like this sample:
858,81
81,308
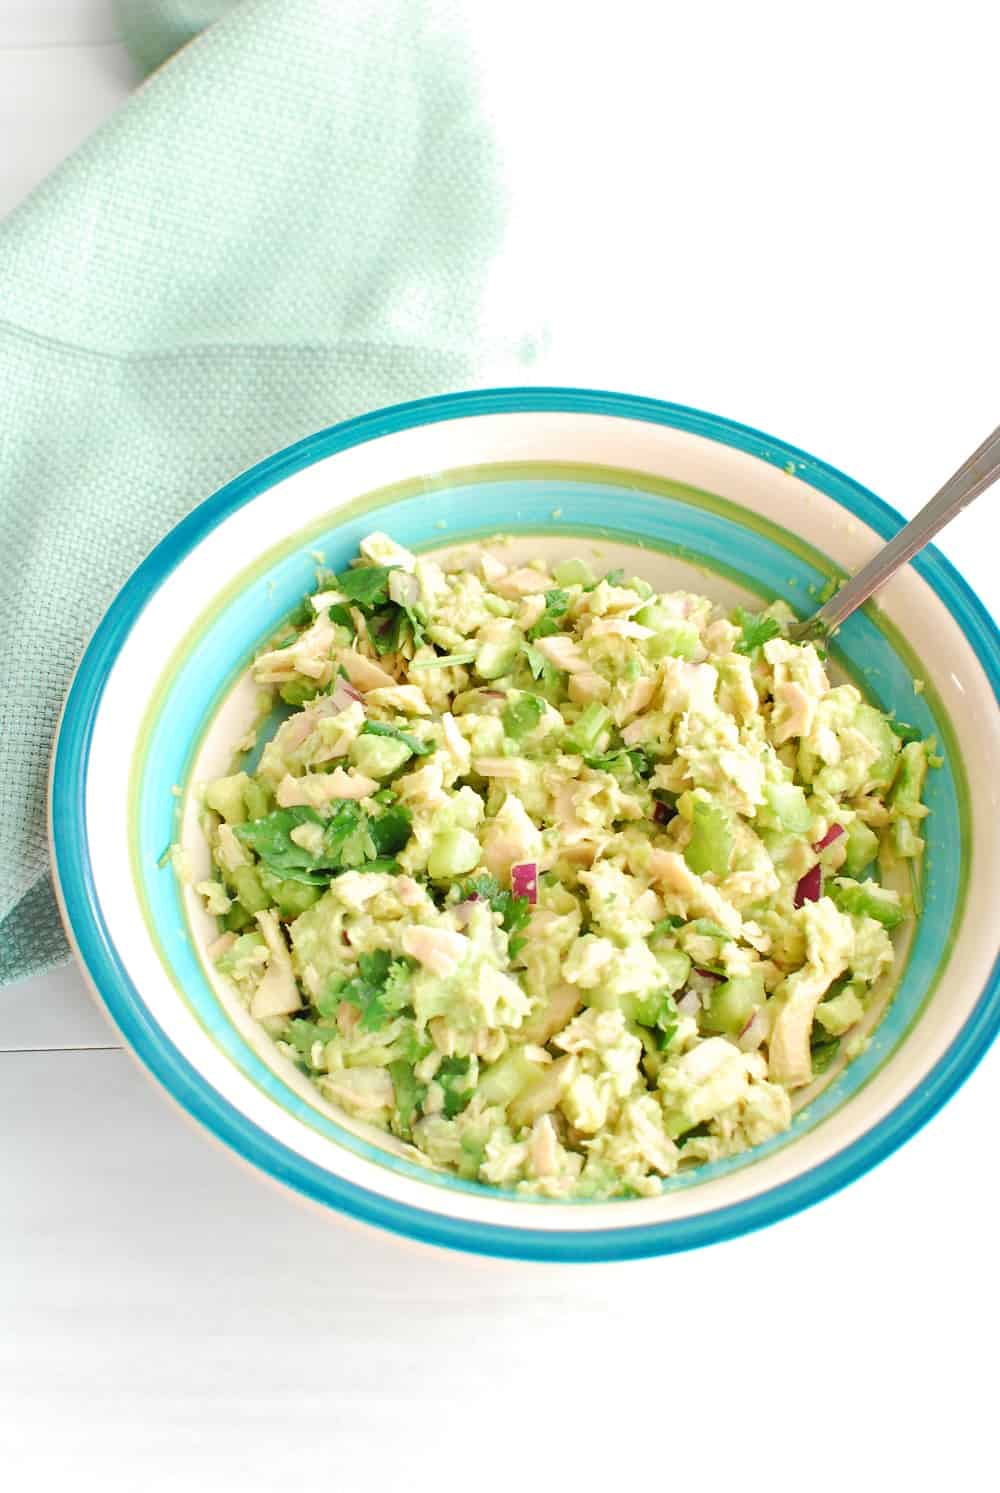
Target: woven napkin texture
291,221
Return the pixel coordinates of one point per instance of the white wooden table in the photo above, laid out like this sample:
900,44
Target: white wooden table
168,1321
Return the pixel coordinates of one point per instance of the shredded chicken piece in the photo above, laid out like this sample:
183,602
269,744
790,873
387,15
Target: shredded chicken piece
408,698
436,949
689,892
277,994
317,788
587,686
363,672
561,650
524,582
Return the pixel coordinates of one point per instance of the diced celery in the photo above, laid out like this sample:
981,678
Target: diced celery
237,918
573,573
868,900
711,845
543,1093
732,1003
674,635
910,777
675,966
256,799
226,797
862,847
905,841
787,802
496,658
294,897
454,852
838,1015
873,724
248,888
506,1078
584,734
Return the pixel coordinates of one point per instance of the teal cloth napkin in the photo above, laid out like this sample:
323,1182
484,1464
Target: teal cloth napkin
291,221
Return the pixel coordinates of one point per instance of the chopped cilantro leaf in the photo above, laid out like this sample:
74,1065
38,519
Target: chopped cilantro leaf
757,630
445,661
666,925
368,585
638,761
514,911
382,728
905,732
614,577
349,839
341,615
391,830
452,1075
556,603
408,1090
540,666
372,989
302,1034
386,628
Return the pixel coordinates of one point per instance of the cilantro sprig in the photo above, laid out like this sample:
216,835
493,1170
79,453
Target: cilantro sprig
636,758
388,621
757,630
379,990
514,911
367,585
350,839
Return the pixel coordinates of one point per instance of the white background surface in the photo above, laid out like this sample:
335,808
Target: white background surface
166,1320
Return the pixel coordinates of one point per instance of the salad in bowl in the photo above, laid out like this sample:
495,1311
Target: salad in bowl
567,884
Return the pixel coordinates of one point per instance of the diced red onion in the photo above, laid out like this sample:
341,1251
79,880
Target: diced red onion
708,974
492,694
462,911
524,880
810,887
404,589
345,694
689,1003
833,833
662,813
754,1032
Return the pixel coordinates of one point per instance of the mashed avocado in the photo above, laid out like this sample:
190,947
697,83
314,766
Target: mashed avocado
565,883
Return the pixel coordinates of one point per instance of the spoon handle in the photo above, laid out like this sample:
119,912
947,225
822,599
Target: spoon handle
973,477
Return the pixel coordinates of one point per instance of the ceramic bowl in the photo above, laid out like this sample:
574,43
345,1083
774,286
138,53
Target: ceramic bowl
680,497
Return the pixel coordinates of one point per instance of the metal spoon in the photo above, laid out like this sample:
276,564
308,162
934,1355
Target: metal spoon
973,477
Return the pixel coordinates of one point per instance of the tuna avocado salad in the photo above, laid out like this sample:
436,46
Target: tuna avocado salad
565,883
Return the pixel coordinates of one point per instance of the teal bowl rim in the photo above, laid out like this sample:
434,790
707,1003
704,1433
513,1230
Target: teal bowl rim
105,968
